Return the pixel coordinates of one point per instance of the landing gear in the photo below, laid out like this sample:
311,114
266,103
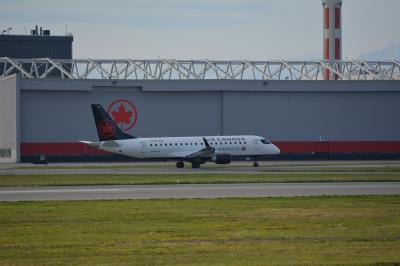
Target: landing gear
255,163
180,165
195,165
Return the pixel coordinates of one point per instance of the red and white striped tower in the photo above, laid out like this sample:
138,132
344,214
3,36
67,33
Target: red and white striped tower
332,33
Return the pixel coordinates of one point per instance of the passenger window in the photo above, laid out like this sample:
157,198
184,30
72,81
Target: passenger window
155,144
181,144
186,144
244,142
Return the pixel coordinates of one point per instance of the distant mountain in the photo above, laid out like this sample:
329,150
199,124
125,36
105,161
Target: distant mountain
389,52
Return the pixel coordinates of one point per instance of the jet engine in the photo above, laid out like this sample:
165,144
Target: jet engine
222,158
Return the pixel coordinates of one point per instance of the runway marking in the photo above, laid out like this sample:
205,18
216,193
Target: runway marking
59,191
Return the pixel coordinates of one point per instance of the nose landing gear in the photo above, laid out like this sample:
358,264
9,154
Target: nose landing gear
255,163
180,165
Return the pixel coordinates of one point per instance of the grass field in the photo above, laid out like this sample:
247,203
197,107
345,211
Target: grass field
82,179
259,231
341,169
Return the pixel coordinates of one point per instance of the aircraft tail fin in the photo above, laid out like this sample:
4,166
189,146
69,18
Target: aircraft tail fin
107,129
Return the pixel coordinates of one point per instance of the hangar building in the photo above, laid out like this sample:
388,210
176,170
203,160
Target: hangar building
40,44
289,103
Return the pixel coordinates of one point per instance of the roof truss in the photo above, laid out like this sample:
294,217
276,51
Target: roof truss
171,69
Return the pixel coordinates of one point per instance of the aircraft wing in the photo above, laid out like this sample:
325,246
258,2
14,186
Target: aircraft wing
205,153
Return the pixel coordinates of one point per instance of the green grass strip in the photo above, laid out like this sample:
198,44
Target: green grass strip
393,169
261,231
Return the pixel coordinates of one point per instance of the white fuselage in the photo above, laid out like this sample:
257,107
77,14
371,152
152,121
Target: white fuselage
180,147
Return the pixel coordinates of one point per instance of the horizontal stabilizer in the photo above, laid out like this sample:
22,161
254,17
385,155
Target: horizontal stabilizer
94,144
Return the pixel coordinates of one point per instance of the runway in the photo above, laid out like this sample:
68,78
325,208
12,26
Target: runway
196,191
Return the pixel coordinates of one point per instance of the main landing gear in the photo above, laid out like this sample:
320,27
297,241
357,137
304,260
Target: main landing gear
195,165
180,165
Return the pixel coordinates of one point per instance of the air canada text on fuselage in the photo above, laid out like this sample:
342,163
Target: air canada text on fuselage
214,139
225,139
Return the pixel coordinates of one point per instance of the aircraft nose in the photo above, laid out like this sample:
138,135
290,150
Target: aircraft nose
276,150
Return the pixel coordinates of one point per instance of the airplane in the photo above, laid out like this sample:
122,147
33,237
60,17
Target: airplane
195,150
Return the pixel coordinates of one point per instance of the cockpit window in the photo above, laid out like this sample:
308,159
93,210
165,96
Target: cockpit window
265,141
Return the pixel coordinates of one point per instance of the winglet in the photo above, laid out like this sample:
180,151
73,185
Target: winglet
206,142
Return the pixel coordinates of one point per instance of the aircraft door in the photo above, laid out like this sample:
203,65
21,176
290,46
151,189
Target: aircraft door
255,144
143,147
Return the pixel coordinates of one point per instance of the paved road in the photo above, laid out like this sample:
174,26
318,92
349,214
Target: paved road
196,191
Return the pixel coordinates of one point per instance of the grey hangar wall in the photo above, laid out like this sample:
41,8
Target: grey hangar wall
300,116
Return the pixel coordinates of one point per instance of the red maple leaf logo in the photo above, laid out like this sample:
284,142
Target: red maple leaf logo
122,116
106,128
124,113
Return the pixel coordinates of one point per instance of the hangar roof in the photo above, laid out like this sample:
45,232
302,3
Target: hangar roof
171,69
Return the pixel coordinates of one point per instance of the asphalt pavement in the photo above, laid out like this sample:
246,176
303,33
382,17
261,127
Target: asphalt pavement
196,191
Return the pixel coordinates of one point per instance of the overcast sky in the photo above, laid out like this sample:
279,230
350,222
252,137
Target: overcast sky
213,29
